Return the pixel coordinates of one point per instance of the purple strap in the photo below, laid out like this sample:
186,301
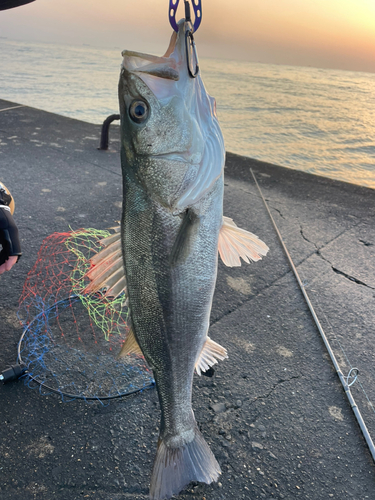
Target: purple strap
197,6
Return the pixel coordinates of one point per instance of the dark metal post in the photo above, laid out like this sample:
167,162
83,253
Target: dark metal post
105,131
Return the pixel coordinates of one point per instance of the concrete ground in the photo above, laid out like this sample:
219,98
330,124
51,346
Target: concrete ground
274,414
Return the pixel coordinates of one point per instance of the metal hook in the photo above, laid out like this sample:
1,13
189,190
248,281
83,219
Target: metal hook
197,6
191,54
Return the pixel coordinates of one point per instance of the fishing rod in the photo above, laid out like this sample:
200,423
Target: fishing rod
354,372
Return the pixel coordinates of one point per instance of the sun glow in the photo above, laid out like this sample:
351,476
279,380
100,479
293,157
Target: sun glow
337,34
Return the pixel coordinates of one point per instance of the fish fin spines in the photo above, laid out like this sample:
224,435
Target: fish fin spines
210,354
236,243
117,288
110,248
112,281
130,346
116,236
175,468
107,268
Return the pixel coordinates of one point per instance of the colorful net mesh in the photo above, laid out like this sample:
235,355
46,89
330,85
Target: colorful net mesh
71,339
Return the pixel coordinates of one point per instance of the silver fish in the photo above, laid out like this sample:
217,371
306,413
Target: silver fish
172,157
172,161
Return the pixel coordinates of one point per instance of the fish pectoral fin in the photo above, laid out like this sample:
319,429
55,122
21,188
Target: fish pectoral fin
210,354
235,242
185,238
107,269
130,346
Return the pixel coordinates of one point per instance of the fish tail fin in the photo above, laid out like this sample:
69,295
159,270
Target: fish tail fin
175,468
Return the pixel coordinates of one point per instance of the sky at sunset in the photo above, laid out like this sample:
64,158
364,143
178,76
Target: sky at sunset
322,33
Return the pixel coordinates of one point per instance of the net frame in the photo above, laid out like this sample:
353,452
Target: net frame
49,286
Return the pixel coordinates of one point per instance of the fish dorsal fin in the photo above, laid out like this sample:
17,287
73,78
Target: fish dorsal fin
185,238
108,251
130,346
117,287
235,242
210,354
107,268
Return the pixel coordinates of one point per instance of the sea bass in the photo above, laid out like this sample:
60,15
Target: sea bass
166,253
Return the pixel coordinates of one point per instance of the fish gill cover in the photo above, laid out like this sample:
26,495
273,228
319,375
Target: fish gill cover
71,339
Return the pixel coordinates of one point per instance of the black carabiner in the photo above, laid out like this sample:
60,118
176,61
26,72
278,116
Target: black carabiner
191,54
191,49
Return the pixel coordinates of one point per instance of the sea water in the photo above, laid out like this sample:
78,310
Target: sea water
316,120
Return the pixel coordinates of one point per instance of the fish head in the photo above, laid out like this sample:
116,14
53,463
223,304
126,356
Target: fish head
171,139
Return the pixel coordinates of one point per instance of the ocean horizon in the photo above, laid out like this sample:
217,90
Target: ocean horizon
315,120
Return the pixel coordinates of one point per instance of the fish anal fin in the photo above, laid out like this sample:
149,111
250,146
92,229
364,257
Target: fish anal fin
175,468
210,354
236,243
130,346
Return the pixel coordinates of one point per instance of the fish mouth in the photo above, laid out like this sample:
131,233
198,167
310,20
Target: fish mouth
161,67
166,66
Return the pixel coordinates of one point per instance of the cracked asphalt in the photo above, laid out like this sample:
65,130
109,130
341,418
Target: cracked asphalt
274,413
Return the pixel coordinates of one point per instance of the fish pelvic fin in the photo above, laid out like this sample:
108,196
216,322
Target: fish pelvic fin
130,346
210,354
175,468
235,242
107,268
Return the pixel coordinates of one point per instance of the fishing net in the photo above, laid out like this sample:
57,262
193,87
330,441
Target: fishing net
71,339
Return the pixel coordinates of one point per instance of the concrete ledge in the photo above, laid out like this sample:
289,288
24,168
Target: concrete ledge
274,414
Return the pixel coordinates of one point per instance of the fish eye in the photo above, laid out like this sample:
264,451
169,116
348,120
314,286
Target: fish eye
138,111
